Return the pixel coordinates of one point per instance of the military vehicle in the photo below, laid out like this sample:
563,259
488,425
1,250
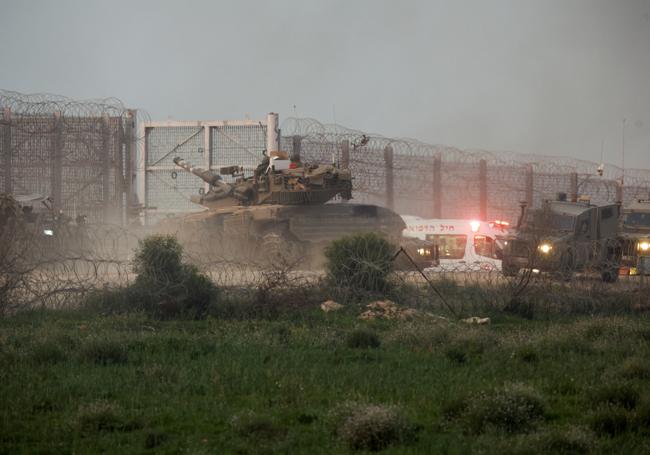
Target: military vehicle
281,209
32,216
564,237
635,238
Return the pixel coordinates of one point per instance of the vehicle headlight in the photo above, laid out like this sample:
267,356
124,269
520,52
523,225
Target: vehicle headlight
643,246
545,248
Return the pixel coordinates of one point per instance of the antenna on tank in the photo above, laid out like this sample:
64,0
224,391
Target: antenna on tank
601,167
623,154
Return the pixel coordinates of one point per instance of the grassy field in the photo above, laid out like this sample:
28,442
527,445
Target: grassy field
308,382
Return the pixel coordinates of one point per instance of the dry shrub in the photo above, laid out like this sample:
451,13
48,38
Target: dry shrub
371,427
514,408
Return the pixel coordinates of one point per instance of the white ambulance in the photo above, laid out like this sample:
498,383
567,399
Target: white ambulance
458,245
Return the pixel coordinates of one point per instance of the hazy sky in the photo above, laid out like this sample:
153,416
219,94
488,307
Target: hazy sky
549,76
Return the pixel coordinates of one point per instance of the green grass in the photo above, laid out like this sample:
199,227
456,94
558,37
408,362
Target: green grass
74,381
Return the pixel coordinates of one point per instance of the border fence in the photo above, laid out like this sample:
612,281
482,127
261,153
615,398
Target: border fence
411,177
85,156
77,153
437,181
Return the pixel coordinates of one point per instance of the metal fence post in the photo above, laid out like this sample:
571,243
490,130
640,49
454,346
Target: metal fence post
437,186
105,160
345,154
619,192
207,153
530,183
482,184
118,168
388,162
573,186
297,144
129,157
6,148
57,162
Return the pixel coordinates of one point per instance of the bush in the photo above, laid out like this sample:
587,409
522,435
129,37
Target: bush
362,338
360,262
158,259
513,409
103,352
165,286
371,427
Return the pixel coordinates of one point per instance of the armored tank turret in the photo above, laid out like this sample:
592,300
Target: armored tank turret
276,181
284,209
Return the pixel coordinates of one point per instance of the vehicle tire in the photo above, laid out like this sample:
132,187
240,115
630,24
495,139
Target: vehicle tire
610,275
510,270
567,266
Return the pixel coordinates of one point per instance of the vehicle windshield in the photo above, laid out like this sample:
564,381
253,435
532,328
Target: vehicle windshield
449,246
485,246
637,219
560,222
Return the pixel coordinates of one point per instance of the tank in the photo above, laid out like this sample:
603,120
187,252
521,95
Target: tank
284,210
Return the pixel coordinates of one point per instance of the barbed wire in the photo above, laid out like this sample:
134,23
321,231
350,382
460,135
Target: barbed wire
509,177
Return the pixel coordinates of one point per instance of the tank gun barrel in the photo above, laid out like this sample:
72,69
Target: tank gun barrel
205,175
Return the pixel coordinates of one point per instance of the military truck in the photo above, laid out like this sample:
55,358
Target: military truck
564,237
635,238
279,211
